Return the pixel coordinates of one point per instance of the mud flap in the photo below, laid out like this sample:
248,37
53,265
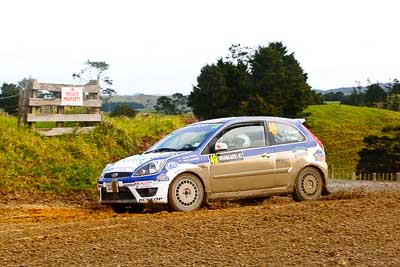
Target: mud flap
325,191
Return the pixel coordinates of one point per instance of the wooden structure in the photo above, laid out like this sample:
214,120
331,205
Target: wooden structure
345,173
31,105
377,177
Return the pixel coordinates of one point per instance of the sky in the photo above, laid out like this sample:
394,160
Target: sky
159,46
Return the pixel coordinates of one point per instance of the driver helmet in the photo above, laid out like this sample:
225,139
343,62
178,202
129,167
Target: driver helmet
245,140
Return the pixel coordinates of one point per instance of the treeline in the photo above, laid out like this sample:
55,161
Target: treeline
377,95
110,106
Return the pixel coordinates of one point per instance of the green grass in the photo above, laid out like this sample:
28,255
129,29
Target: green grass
342,129
72,162
332,102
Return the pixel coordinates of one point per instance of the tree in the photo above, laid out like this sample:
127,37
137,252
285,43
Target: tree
395,89
177,104
97,70
338,96
381,153
280,82
268,81
123,110
165,105
181,103
9,98
210,98
239,55
357,98
375,94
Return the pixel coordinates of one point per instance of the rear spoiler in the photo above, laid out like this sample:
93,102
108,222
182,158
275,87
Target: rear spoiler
301,120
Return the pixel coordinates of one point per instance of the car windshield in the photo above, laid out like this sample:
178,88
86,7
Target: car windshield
185,139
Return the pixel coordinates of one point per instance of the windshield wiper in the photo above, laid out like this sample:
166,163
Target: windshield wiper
186,149
162,149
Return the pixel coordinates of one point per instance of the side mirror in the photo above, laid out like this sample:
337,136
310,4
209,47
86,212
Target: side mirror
220,147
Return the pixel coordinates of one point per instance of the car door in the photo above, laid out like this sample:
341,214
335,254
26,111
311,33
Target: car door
289,149
247,164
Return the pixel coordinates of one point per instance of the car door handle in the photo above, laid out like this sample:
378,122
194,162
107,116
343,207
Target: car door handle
265,155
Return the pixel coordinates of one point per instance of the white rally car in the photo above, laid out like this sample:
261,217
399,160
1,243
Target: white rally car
219,159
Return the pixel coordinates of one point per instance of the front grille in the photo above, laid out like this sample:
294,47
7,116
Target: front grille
123,194
117,174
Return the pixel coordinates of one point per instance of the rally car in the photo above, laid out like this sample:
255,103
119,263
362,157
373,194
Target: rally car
223,158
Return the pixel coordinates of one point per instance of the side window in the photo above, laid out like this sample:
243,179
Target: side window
244,137
282,133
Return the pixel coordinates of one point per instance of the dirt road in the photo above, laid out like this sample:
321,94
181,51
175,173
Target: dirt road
346,228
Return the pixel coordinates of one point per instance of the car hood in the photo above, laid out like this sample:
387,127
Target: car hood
131,163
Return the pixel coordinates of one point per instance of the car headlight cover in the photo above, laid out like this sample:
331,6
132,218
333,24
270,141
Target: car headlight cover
149,168
106,169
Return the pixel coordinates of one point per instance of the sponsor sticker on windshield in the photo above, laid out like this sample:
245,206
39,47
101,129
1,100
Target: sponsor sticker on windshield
226,157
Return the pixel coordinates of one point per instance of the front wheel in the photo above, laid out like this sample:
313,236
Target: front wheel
308,185
186,193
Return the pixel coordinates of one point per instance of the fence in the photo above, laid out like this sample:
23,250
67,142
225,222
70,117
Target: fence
33,102
344,173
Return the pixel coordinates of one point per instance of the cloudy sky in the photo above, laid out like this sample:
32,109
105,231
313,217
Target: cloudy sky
159,46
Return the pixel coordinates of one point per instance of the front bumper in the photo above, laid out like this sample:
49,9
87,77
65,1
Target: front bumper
145,192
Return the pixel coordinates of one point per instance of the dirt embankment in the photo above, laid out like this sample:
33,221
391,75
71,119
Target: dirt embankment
354,228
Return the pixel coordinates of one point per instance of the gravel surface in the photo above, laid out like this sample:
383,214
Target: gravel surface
370,186
357,227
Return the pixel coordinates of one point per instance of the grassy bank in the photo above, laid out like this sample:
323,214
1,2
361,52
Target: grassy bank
342,129
29,161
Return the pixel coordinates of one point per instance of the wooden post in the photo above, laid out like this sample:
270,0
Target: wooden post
332,172
60,110
354,177
94,110
398,177
27,95
374,176
33,109
21,109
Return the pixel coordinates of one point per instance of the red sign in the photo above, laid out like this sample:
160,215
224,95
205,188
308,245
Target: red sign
71,96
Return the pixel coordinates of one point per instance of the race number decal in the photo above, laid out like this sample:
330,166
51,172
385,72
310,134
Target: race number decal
213,159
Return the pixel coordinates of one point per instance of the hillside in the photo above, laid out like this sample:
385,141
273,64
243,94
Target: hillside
342,129
349,90
148,101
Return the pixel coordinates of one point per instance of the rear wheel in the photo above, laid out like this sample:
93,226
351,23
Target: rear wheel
186,193
308,185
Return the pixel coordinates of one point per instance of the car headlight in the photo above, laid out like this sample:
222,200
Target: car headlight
106,169
152,167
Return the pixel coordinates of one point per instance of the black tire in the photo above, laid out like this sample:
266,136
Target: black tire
308,185
138,208
186,193
118,208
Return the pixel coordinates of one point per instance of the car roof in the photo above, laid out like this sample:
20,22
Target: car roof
249,119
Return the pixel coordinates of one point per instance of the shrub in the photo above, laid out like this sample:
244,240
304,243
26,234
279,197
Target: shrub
123,110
